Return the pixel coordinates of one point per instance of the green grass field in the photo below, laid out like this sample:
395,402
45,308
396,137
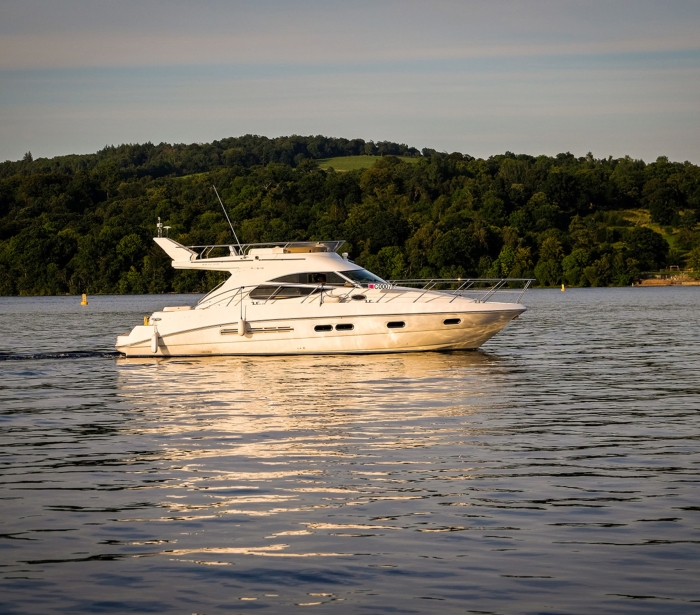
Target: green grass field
352,163
641,217
191,175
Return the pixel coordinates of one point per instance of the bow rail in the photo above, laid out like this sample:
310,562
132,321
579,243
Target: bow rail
487,287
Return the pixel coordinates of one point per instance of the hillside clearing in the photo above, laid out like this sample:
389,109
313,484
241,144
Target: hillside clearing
352,163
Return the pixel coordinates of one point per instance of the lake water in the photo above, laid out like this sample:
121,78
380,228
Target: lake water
557,470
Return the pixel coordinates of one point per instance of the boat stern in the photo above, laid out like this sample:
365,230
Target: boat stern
138,342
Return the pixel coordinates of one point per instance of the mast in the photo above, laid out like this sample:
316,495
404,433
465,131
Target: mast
227,218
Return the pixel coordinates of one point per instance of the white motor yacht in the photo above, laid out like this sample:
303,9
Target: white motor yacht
305,298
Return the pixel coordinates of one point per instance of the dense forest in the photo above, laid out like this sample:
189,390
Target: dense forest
84,223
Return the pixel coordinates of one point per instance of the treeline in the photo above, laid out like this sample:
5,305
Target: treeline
126,162
75,224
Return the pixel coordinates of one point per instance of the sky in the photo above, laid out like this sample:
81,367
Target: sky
612,77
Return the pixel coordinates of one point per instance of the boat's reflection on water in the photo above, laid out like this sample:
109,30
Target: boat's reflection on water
329,398
292,441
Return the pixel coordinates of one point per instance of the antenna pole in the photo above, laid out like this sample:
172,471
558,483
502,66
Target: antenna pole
229,219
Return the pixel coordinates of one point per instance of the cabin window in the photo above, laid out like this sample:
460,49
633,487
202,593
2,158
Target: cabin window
270,291
323,328
330,278
451,321
359,297
396,324
344,327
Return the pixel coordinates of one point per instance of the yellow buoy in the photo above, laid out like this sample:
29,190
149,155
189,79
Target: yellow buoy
563,289
84,301
146,322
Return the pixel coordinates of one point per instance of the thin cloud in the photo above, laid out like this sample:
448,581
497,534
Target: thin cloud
76,33
89,50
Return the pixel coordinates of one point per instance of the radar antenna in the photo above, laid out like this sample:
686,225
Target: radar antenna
229,219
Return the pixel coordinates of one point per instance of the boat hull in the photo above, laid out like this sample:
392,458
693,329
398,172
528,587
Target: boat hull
219,333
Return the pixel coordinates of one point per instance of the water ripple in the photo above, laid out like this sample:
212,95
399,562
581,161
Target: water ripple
557,470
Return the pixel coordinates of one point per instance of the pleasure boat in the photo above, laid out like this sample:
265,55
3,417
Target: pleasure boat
306,298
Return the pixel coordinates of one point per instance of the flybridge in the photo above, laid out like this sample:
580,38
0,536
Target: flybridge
257,249
229,257
253,249
180,253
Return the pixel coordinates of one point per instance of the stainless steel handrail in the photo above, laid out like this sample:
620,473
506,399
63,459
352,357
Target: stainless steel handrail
454,280
211,291
465,285
243,249
428,285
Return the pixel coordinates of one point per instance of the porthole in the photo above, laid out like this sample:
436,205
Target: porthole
359,297
344,327
323,328
396,324
451,321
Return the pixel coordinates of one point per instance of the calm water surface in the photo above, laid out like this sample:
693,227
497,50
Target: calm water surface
557,470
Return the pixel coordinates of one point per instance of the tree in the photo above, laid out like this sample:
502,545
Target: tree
573,267
693,259
548,270
453,249
548,273
647,247
662,199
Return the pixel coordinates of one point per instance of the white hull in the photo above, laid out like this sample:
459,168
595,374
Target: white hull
423,331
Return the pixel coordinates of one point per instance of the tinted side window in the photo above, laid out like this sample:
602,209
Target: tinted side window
268,291
293,278
316,277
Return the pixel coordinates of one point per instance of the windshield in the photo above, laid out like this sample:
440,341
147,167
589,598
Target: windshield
362,276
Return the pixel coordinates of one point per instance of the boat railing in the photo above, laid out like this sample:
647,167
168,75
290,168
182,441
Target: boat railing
480,289
214,299
221,250
208,297
241,292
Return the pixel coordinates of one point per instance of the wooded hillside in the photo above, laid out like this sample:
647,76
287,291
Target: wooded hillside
84,223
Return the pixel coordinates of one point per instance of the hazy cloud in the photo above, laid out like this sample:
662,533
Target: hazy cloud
80,33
